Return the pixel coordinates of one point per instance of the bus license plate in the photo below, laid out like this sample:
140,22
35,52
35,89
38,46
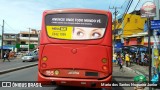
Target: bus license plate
73,72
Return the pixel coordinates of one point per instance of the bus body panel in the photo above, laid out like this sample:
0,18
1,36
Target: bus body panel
76,60
76,57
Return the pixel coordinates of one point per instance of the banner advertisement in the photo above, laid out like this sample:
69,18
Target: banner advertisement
76,26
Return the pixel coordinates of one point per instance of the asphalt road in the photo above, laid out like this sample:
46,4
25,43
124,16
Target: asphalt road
122,76
30,74
13,64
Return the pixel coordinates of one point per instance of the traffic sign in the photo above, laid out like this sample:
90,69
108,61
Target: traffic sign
155,24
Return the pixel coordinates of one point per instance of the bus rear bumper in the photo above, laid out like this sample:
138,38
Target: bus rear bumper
94,83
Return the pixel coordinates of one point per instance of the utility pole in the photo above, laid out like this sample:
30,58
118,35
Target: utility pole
115,15
28,40
2,40
155,45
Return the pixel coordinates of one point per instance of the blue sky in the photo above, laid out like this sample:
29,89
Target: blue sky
19,15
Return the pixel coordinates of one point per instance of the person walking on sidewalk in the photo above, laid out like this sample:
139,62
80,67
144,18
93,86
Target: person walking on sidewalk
136,57
142,59
127,59
114,58
6,56
120,61
131,58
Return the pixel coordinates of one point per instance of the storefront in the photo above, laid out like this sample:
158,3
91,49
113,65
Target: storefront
24,47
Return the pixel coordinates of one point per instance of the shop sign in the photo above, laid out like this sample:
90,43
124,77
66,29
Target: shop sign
24,46
31,46
148,9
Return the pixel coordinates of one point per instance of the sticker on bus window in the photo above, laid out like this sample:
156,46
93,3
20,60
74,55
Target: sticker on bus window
61,32
76,26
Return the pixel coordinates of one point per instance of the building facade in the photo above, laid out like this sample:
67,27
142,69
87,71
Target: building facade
28,40
21,41
9,41
132,24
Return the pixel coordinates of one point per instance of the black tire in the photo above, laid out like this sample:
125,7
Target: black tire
32,60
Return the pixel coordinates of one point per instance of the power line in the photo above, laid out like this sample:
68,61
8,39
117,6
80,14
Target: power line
133,10
114,3
8,29
123,3
11,29
9,26
109,4
128,6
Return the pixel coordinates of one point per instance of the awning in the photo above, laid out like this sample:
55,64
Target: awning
7,47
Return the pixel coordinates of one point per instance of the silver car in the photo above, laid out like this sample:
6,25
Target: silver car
31,56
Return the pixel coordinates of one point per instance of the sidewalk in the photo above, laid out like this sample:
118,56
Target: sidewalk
139,69
14,64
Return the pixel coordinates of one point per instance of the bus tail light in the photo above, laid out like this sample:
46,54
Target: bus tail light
104,67
44,59
56,72
44,65
104,60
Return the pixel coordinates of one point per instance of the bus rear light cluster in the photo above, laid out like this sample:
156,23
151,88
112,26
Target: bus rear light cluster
104,67
49,72
44,65
104,60
44,59
56,72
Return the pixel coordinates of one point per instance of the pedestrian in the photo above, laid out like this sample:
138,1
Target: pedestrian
6,56
145,60
127,59
142,59
131,59
120,62
114,58
136,57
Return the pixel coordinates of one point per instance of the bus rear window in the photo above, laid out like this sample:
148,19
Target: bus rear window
76,26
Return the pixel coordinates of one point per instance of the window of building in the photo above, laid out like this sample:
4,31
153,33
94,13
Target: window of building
136,20
128,19
13,36
7,36
120,20
23,42
9,42
25,35
34,35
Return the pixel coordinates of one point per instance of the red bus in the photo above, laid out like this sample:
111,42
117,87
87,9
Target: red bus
76,47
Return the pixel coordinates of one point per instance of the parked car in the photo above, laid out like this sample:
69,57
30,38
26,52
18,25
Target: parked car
31,56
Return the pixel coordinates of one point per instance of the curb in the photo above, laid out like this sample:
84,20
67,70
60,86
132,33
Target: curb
135,71
17,68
